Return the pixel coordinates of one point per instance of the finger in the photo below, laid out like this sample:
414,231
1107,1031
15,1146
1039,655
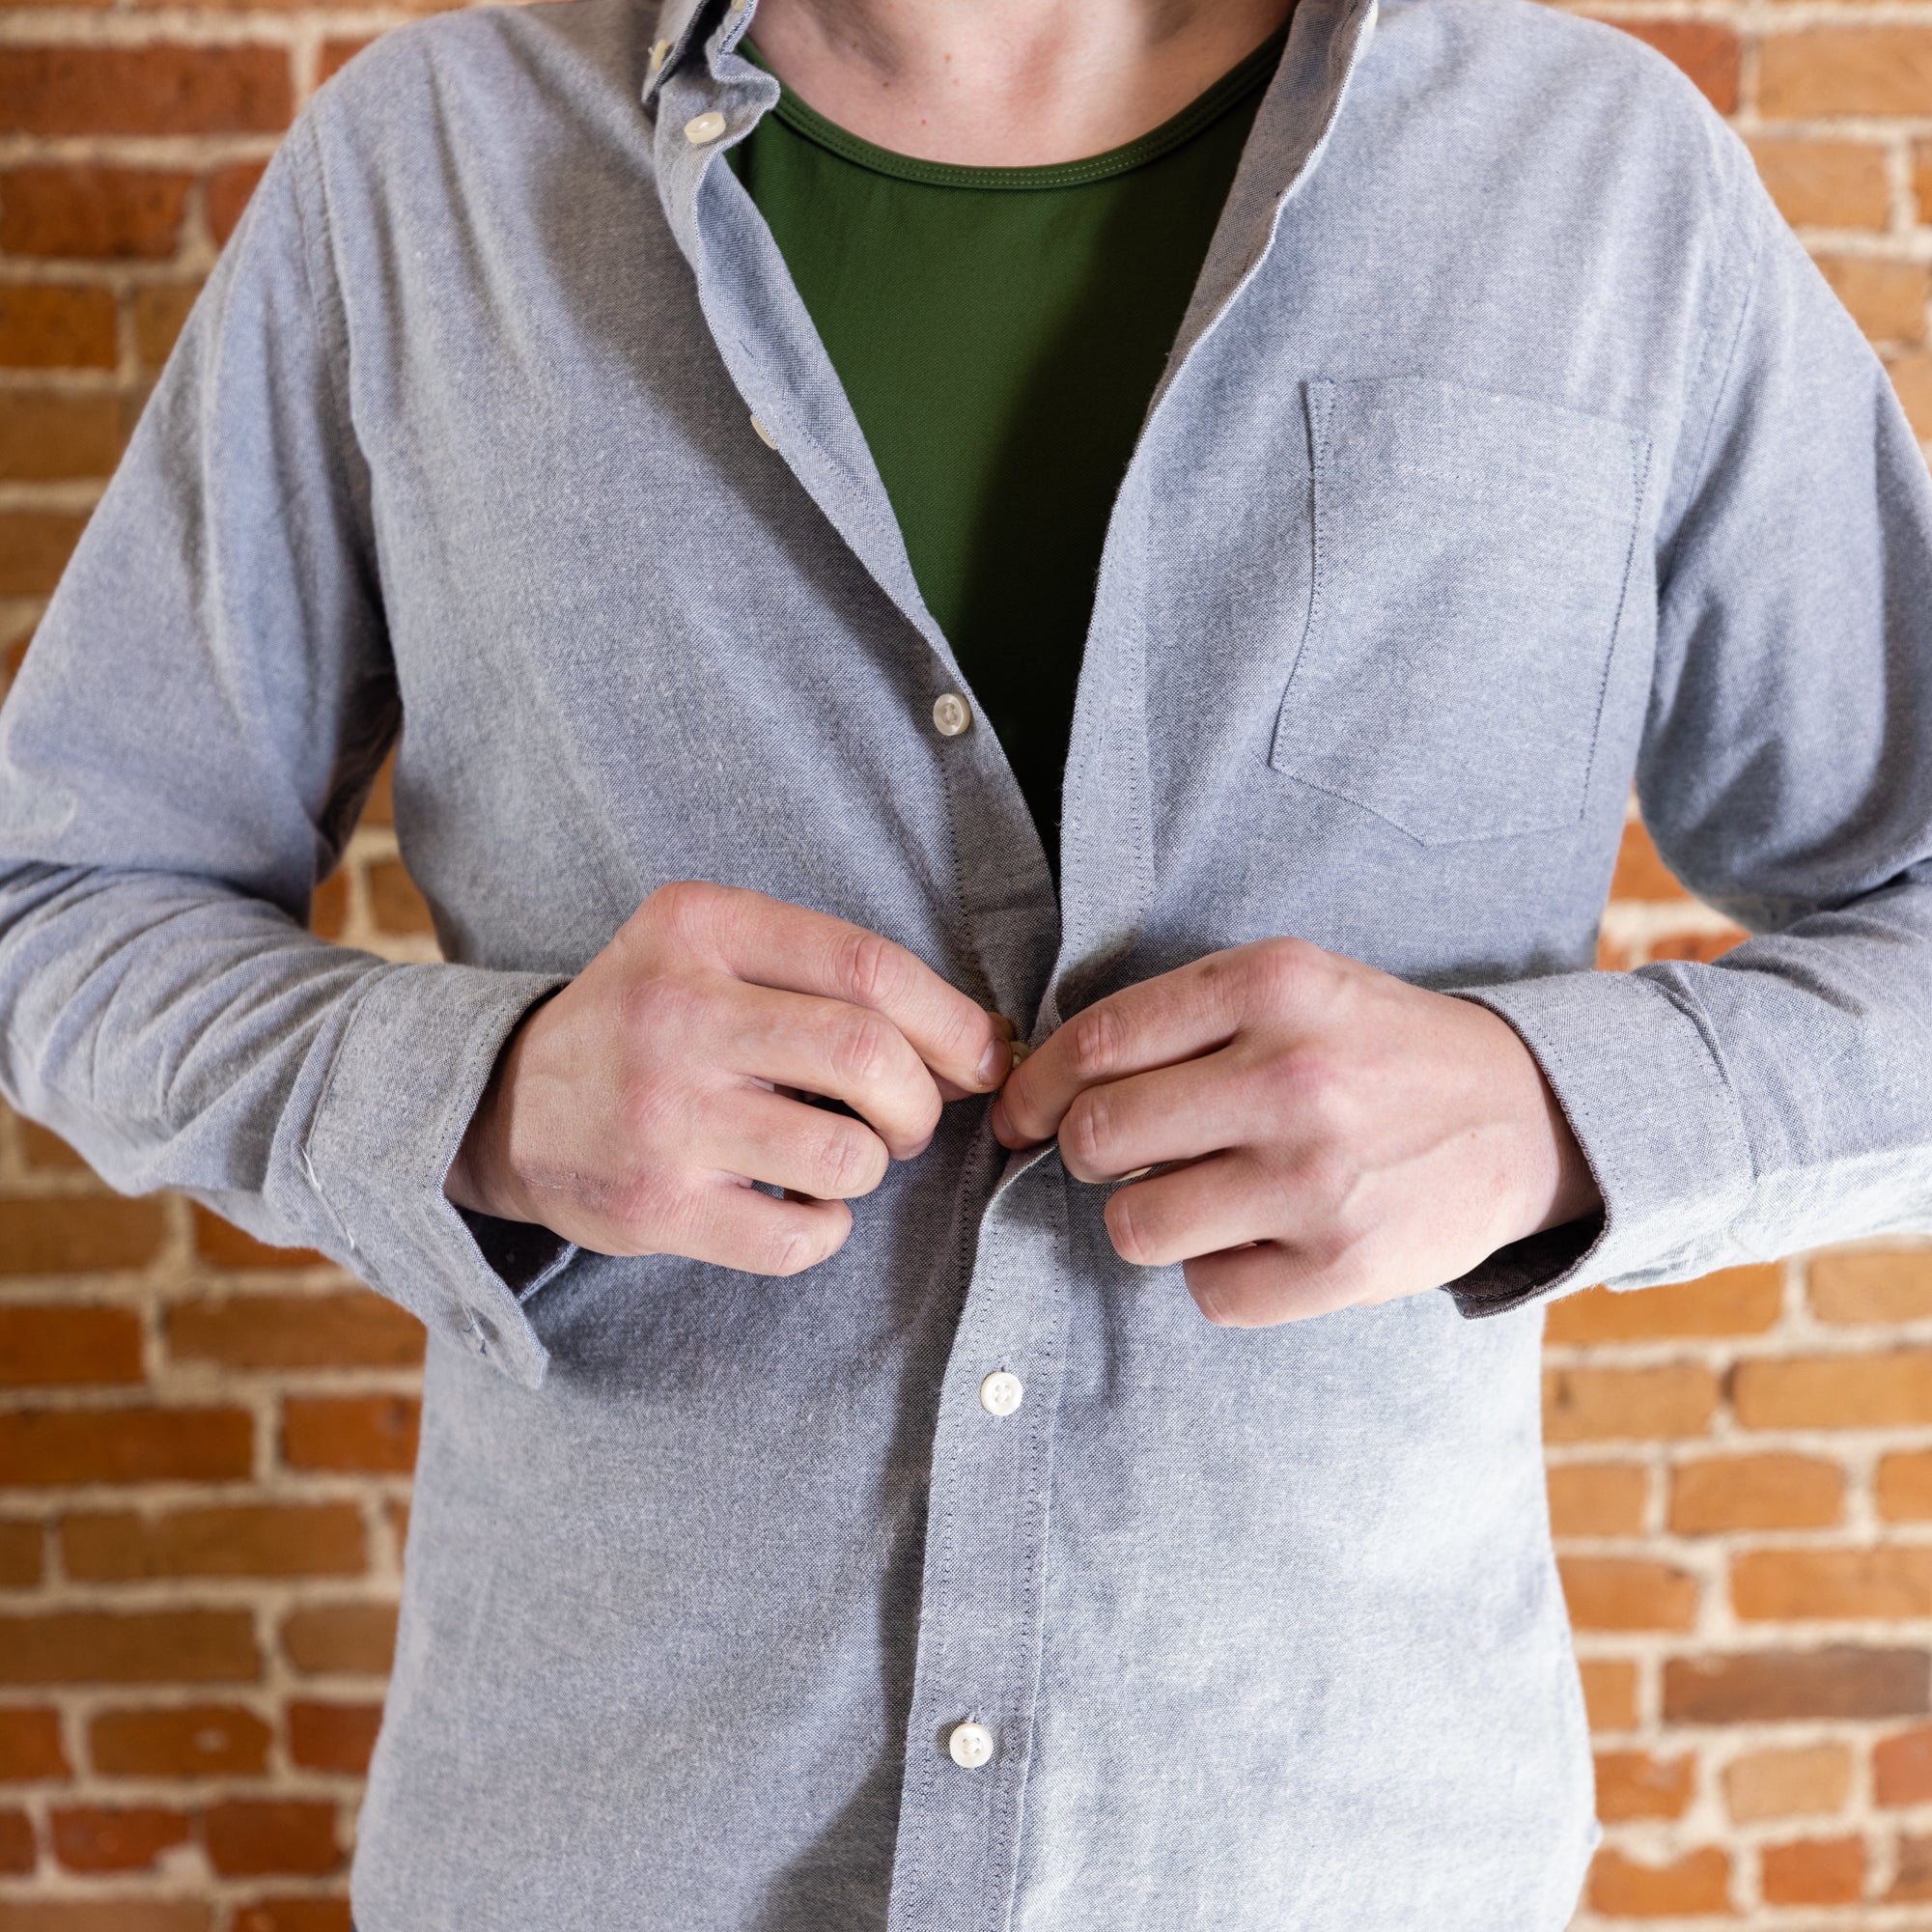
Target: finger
846,1052
1190,1011
1208,1205
792,947
736,1227
1174,1113
1268,1284
830,1157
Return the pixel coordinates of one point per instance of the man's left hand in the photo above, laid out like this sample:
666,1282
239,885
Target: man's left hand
1327,1134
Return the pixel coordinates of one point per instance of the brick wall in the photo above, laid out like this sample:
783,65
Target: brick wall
205,1445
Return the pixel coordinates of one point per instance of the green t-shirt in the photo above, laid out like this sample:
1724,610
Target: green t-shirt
999,332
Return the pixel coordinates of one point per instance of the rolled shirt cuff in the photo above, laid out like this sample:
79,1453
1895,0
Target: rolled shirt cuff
1645,1095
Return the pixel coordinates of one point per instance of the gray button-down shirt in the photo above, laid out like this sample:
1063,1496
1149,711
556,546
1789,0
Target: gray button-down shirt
1511,449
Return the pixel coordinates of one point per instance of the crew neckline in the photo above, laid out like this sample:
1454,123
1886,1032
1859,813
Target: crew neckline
1240,81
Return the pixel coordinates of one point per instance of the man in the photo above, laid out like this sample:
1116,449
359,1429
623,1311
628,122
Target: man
834,1508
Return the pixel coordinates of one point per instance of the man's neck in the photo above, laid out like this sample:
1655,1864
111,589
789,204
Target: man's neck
1006,83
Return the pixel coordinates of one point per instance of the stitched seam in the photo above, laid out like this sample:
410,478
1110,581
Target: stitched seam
305,151
1640,478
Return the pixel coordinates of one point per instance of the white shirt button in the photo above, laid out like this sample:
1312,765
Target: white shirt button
703,127
661,52
969,1746
1001,1392
951,715
765,435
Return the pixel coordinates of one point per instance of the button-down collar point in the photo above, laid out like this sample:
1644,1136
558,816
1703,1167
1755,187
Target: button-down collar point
1001,1392
700,129
951,715
969,1746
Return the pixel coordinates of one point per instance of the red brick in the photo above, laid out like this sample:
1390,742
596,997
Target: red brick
58,438
379,807
1734,1301
91,1838
1783,1783
354,1639
1835,1391
1904,1487
34,546
1783,1585
353,1329
222,1244
394,902
160,312
1603,1404
22,1553
1768,1492
1609,1692
1628,1593
1634,1784
1912,1883
1694,1886
1856,70
83,1234
1707,52
1598,1498
153,89
179,1741
30,1745
376,1434
1886,299
228,193
1871,1285
67,1341
1790,1686
105,213
117,1913
18,1852
1902,1768
1912,376
242,1540
72,1446
293,1915
1640,872
1814,1872
328,908
128,1647
47,1151
333,1737
45,326
249,1836
1826,184
337,53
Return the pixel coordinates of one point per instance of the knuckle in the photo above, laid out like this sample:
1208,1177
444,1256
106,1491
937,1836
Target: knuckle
1132,1229
849,1161
1095,1042
858,1046
683,908
871,969
1088,1132
795,1247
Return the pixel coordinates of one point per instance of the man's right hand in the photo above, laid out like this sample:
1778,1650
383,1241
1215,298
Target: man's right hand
630,1112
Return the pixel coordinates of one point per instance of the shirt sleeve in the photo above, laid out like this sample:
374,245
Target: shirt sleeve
1781,1097
181,757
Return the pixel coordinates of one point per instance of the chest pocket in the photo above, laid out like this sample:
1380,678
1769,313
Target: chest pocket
1471,552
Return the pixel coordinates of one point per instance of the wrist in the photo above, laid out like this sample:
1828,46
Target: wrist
482,1177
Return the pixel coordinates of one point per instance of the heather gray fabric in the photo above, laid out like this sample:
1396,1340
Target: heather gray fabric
1512,447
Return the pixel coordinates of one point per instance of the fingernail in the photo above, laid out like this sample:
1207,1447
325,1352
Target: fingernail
992,1067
